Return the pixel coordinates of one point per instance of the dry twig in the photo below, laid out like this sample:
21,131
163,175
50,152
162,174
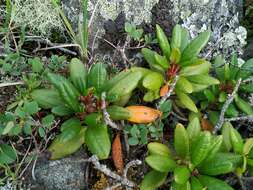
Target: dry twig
172,87
225,107
107,119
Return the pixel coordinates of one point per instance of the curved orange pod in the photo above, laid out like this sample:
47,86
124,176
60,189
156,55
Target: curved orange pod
164,90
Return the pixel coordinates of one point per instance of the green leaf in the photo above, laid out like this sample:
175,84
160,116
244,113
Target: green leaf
162,61
236,141
98,140
62,110
60,148
31,107
203,79
151,95
7,154
149,56
243,105
158,148
160,163
195,46
78,74
181,174
97,76
200,148
37,65
195,184
175,55
226,128
181,141
216,167
209,95
133,141
176,37
185,38
186,101
163,41
184,85
201,67
47,98
153,180
42,132
125,85
248,145
176,186
48,120
193,129
215,147
153,81
9,126
213,184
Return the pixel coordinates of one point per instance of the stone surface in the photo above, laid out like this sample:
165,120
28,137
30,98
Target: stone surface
64,174
220,16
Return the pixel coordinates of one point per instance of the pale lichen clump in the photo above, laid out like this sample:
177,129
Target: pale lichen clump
135,11
37,15
220,16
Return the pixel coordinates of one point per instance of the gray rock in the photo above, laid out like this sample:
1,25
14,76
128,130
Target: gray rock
220,16
64,174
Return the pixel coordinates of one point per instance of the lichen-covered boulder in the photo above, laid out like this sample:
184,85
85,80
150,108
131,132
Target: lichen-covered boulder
220,16
64,174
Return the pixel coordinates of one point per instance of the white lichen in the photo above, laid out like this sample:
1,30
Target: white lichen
38,15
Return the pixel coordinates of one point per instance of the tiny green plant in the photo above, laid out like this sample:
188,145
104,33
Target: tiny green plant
180,59
195,161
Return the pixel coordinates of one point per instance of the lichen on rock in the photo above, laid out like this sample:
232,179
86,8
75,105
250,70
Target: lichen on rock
220,16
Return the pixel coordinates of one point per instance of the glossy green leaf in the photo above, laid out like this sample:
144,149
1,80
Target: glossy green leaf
186,101
181,174
163,41
98,141
47,98
226,128
151,95
213,184
203,79
200,148
158,148
78,74
202,67
160,163
162,61
184,85
176,37
60,149
149,56
243,105
153,180
181,141
236,141
153,81
195,184
175,55
125,85
7,154
193,128
195,46
185,38
248,145
97,76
